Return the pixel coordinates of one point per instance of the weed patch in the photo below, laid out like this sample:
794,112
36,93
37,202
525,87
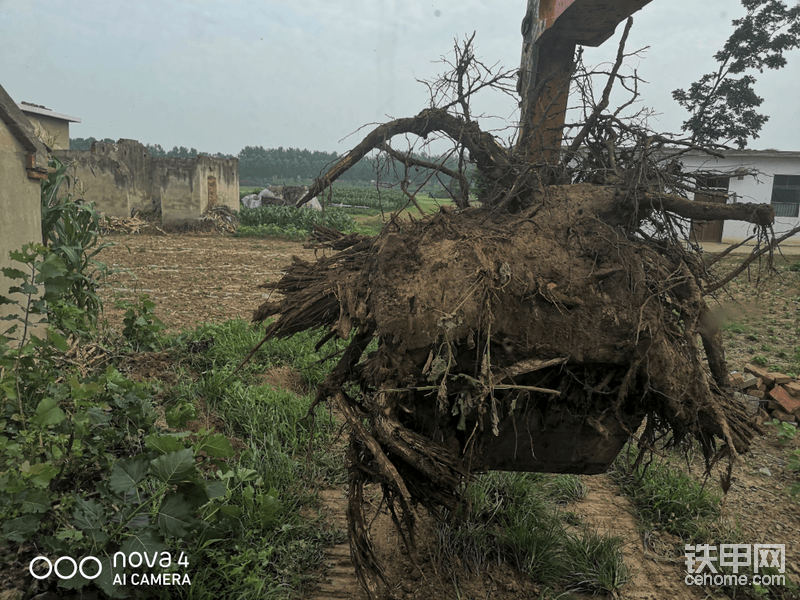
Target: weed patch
515,517
667,498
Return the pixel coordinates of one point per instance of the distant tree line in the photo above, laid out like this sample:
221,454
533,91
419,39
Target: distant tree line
155,150
262,166
86,143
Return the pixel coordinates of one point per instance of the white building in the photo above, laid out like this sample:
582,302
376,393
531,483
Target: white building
758,176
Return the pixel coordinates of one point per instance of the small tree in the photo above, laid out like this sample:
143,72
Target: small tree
722,106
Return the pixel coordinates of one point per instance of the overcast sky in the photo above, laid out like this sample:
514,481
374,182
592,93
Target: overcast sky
219,76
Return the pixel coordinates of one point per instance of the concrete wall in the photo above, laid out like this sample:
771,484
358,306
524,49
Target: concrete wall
135,161
101,180
179,189
20,207
123,177
225,174
756,188
55,130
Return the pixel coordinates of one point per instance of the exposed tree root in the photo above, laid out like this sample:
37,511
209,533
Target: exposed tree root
531,341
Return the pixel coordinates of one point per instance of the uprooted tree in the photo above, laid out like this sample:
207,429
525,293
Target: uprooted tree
537,331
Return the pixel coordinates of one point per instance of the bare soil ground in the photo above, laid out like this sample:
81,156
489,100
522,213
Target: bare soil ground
193,278
209,278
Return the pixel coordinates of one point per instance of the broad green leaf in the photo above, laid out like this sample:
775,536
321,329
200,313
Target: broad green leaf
196,494
41,474
13,273
175,516
82,391
88,514
216,445
234,512
58,340
48,413
216,489
174,467
20,529
127,473
163,443
25,288
51,267
35,501
143,540
19,256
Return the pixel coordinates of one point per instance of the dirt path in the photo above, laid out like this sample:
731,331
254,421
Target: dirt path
656,572
339,578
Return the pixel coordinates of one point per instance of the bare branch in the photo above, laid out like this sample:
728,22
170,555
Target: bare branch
746,263
604,101
491,157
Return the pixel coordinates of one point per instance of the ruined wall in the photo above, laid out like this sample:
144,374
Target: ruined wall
100,179
178,188
136,161
222,175
123,177
20,200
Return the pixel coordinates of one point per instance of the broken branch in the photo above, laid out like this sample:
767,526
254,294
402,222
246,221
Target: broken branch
484,148
758,214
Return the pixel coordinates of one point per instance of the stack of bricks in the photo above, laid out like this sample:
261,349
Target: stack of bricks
778,394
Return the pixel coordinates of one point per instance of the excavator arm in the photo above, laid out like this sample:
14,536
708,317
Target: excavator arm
551,30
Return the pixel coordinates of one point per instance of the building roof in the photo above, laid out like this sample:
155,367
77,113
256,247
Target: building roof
768,153
38,109
18,124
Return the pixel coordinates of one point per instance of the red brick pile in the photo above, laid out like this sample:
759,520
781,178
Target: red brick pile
778,394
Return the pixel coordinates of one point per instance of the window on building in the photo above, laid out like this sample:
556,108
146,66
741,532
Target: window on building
786,195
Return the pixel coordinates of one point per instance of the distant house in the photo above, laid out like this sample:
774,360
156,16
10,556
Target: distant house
759,176
51,127
23,164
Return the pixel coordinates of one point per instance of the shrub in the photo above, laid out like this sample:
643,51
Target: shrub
71,229
295,222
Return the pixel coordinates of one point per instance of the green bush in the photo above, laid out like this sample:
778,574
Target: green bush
291,221
71,229
141,326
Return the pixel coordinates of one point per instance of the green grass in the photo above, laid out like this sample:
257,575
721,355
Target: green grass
283,451
735,328
516,517
667,498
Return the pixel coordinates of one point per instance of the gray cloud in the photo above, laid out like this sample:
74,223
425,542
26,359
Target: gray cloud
222,75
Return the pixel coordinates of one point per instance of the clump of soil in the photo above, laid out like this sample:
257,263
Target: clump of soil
287,378
150,366
537,340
